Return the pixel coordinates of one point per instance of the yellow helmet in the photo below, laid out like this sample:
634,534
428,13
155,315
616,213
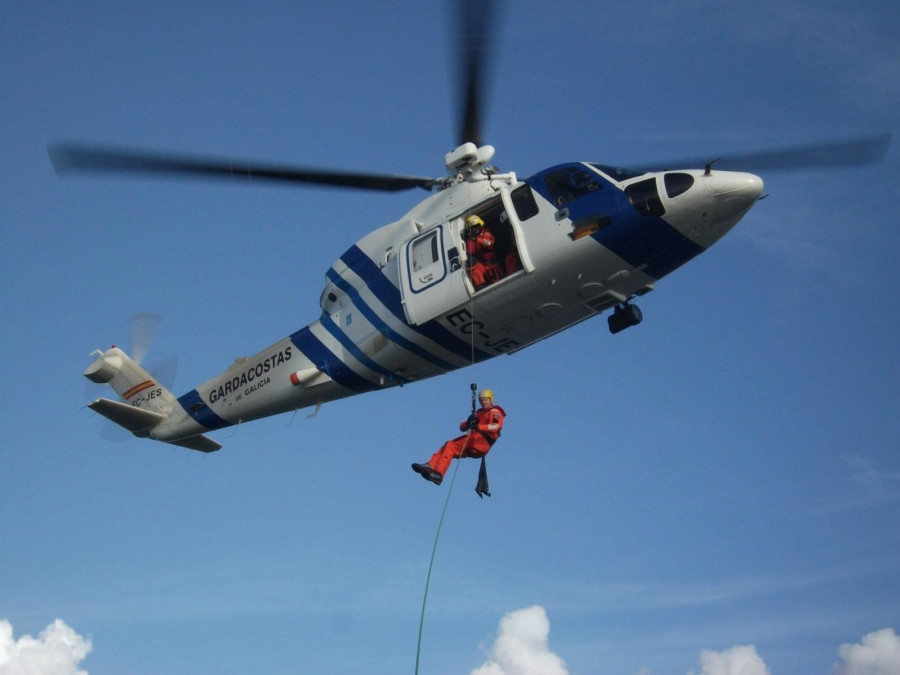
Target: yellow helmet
486,393
474,221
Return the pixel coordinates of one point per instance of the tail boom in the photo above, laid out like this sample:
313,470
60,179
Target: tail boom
149,409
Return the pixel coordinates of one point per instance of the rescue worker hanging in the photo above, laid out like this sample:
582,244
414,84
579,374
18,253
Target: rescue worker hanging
482,430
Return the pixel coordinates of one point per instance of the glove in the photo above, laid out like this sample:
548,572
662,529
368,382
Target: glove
472,422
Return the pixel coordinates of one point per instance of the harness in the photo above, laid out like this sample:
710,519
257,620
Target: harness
491,440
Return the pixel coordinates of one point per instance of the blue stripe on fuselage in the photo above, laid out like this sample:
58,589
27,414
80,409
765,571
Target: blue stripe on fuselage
354,349
389,295
642,240
634,237
323,359
197,408
372,316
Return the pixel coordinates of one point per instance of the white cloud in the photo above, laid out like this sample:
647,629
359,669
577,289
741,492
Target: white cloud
877,654
738,660
57,651
521,647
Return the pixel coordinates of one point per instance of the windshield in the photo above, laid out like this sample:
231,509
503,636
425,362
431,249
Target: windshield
568,184
618,173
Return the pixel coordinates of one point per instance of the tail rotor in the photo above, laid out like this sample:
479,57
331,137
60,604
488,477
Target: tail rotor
142,330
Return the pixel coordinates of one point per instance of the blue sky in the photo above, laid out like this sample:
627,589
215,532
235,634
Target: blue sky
724,475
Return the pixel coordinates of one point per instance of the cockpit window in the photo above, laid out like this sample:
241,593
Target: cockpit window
678,183
567,185
644,196
618,173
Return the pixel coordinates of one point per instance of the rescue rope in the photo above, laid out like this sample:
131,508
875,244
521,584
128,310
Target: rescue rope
474,387
431,564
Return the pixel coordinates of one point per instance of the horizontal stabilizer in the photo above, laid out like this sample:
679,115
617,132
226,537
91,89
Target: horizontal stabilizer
201,443
137,420
140,421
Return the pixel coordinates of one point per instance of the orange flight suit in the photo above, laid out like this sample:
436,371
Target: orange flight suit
476,443
483,268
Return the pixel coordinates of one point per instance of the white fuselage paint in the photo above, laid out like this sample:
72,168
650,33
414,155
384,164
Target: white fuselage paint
383,324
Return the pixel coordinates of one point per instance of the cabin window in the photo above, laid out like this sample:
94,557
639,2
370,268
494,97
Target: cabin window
678,183
524,203
644,196
425,252
567,185
425,260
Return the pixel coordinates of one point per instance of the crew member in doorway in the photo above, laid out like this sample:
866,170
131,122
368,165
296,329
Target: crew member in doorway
482,258
482,431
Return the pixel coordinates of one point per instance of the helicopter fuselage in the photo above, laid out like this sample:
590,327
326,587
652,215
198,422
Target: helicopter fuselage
572,242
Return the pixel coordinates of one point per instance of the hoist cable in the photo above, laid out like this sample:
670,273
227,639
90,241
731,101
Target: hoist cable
437,535
431,565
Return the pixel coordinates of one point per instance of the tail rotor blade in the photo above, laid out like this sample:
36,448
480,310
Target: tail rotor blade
142,331
165,371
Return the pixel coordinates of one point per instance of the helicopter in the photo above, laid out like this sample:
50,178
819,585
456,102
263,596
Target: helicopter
412,299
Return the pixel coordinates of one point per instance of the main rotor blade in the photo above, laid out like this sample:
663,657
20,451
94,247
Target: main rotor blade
832,154
68,157
474,36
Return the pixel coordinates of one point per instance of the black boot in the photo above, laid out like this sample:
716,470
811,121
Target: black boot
428,473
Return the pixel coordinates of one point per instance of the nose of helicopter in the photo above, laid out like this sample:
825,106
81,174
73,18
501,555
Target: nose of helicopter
733,193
